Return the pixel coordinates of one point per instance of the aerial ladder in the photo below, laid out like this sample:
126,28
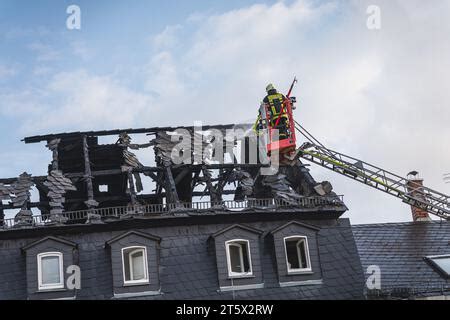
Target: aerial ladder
409,191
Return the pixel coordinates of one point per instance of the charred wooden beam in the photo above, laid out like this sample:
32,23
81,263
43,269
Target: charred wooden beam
52,145
223,180
132,189
91,203
12,180
201,166
215,197
35,139
150,170
95,173
182,174
87,171
170,187
155,177
2,217
29,205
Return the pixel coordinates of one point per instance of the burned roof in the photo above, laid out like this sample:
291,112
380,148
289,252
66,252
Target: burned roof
152,130
90,182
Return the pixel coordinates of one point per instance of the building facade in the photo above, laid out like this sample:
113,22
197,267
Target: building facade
207,231
245,256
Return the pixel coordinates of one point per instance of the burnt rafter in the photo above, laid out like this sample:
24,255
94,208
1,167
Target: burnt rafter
19,194
52,145
85,176
88,175
151,170
6,192
131,162
215,195
150,131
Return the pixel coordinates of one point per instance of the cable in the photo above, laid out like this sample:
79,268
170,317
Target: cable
313,140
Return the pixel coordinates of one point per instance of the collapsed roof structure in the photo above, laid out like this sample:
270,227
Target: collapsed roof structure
89,182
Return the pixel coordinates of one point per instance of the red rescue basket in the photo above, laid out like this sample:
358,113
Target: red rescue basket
286,143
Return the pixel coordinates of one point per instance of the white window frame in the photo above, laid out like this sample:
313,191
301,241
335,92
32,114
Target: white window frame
134,249
227,247
308,259
42,286
436,265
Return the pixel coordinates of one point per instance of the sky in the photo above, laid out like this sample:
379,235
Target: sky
380,95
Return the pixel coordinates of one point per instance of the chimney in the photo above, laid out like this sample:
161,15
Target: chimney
415,188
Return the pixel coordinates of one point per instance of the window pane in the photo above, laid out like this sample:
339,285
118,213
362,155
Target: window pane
235,258
292,254
443,263
302,249
50,270
137,262
246,259
126,264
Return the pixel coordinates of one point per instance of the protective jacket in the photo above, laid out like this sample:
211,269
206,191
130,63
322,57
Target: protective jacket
275,101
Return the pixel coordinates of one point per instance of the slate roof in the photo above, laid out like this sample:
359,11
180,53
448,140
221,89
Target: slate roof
188,268
137,233
309,226
257,231
399,250
63,241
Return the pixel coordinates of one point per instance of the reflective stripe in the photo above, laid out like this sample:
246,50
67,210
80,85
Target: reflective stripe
275,103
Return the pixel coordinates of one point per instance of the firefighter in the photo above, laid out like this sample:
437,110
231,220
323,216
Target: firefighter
275,101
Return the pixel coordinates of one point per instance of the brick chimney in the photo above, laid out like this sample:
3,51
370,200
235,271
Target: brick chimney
415,185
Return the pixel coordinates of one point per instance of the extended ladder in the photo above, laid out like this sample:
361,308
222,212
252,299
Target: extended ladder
409,192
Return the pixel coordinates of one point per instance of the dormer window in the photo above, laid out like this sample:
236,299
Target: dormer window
135,264
50,270
238,258
47,264
135,268
297,254
441,263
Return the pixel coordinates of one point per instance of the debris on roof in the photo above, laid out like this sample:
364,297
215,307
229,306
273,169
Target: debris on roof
5,192
80,166
21,198
58,185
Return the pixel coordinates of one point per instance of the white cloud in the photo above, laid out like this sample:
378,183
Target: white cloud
81,49
75,101
168,38
89,101
44,52
17,33
6,71
42,70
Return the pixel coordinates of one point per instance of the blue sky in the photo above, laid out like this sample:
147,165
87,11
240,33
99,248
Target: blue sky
118,31
150,63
